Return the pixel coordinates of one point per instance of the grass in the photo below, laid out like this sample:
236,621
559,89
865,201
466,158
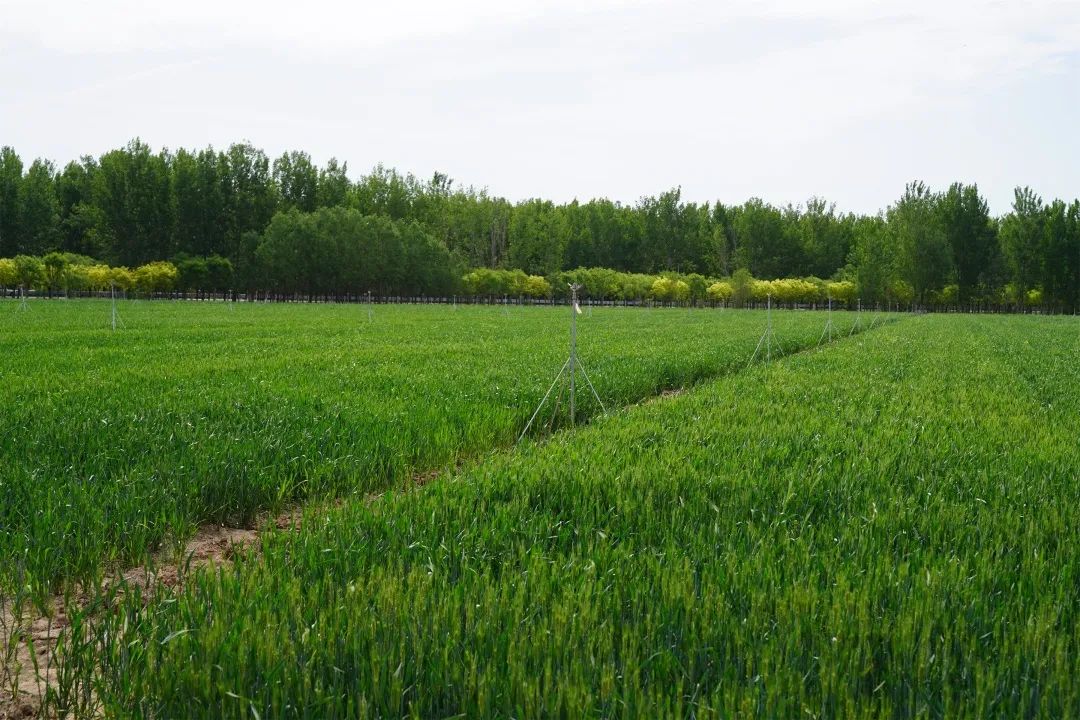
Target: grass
114,444
886,528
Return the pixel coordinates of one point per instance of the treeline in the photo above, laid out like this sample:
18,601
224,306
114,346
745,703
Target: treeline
291,226
64,273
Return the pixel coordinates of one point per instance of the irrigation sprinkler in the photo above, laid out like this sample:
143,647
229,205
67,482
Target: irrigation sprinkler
569,369
768,338
574,311
22,298
506,311
828,324
369,311
115,317
858,319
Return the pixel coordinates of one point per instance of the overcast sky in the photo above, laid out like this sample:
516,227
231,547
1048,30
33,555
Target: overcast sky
780,99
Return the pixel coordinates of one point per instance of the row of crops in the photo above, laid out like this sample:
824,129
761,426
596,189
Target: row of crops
885,528
115,444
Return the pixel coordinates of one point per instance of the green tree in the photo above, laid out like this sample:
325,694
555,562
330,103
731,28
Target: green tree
297,180
1060,253
201,203
720,254
220,273
971,234
538,237
824,239
1072,231
429,268
339,250
385,192
595,234
81,220
39,211
580,250
284,252
191,272
333,184
486,282
677,235
915,229
765,245
249,272
1022,239
11,175
250,194
874,257
132,192
475,227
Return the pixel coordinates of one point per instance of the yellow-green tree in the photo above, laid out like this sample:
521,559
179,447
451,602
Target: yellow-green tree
122,278
537,287
719,291
98,277
30,271
156,277
844,291
666,289
901,291
9,274
742,287
76,277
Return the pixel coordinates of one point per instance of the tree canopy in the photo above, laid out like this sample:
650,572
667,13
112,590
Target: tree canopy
237,219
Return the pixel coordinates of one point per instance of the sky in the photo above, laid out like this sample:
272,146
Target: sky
778,99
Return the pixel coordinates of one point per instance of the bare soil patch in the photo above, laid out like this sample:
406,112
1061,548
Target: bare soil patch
27,642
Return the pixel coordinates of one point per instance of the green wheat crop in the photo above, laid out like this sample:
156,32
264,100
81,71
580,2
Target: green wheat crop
886,528
113,444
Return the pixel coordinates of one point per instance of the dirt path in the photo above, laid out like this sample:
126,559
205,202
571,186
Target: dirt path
27,643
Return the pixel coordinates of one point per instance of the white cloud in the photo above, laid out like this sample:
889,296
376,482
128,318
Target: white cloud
777,98
314,26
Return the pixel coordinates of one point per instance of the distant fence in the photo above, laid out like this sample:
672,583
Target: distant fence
304,298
